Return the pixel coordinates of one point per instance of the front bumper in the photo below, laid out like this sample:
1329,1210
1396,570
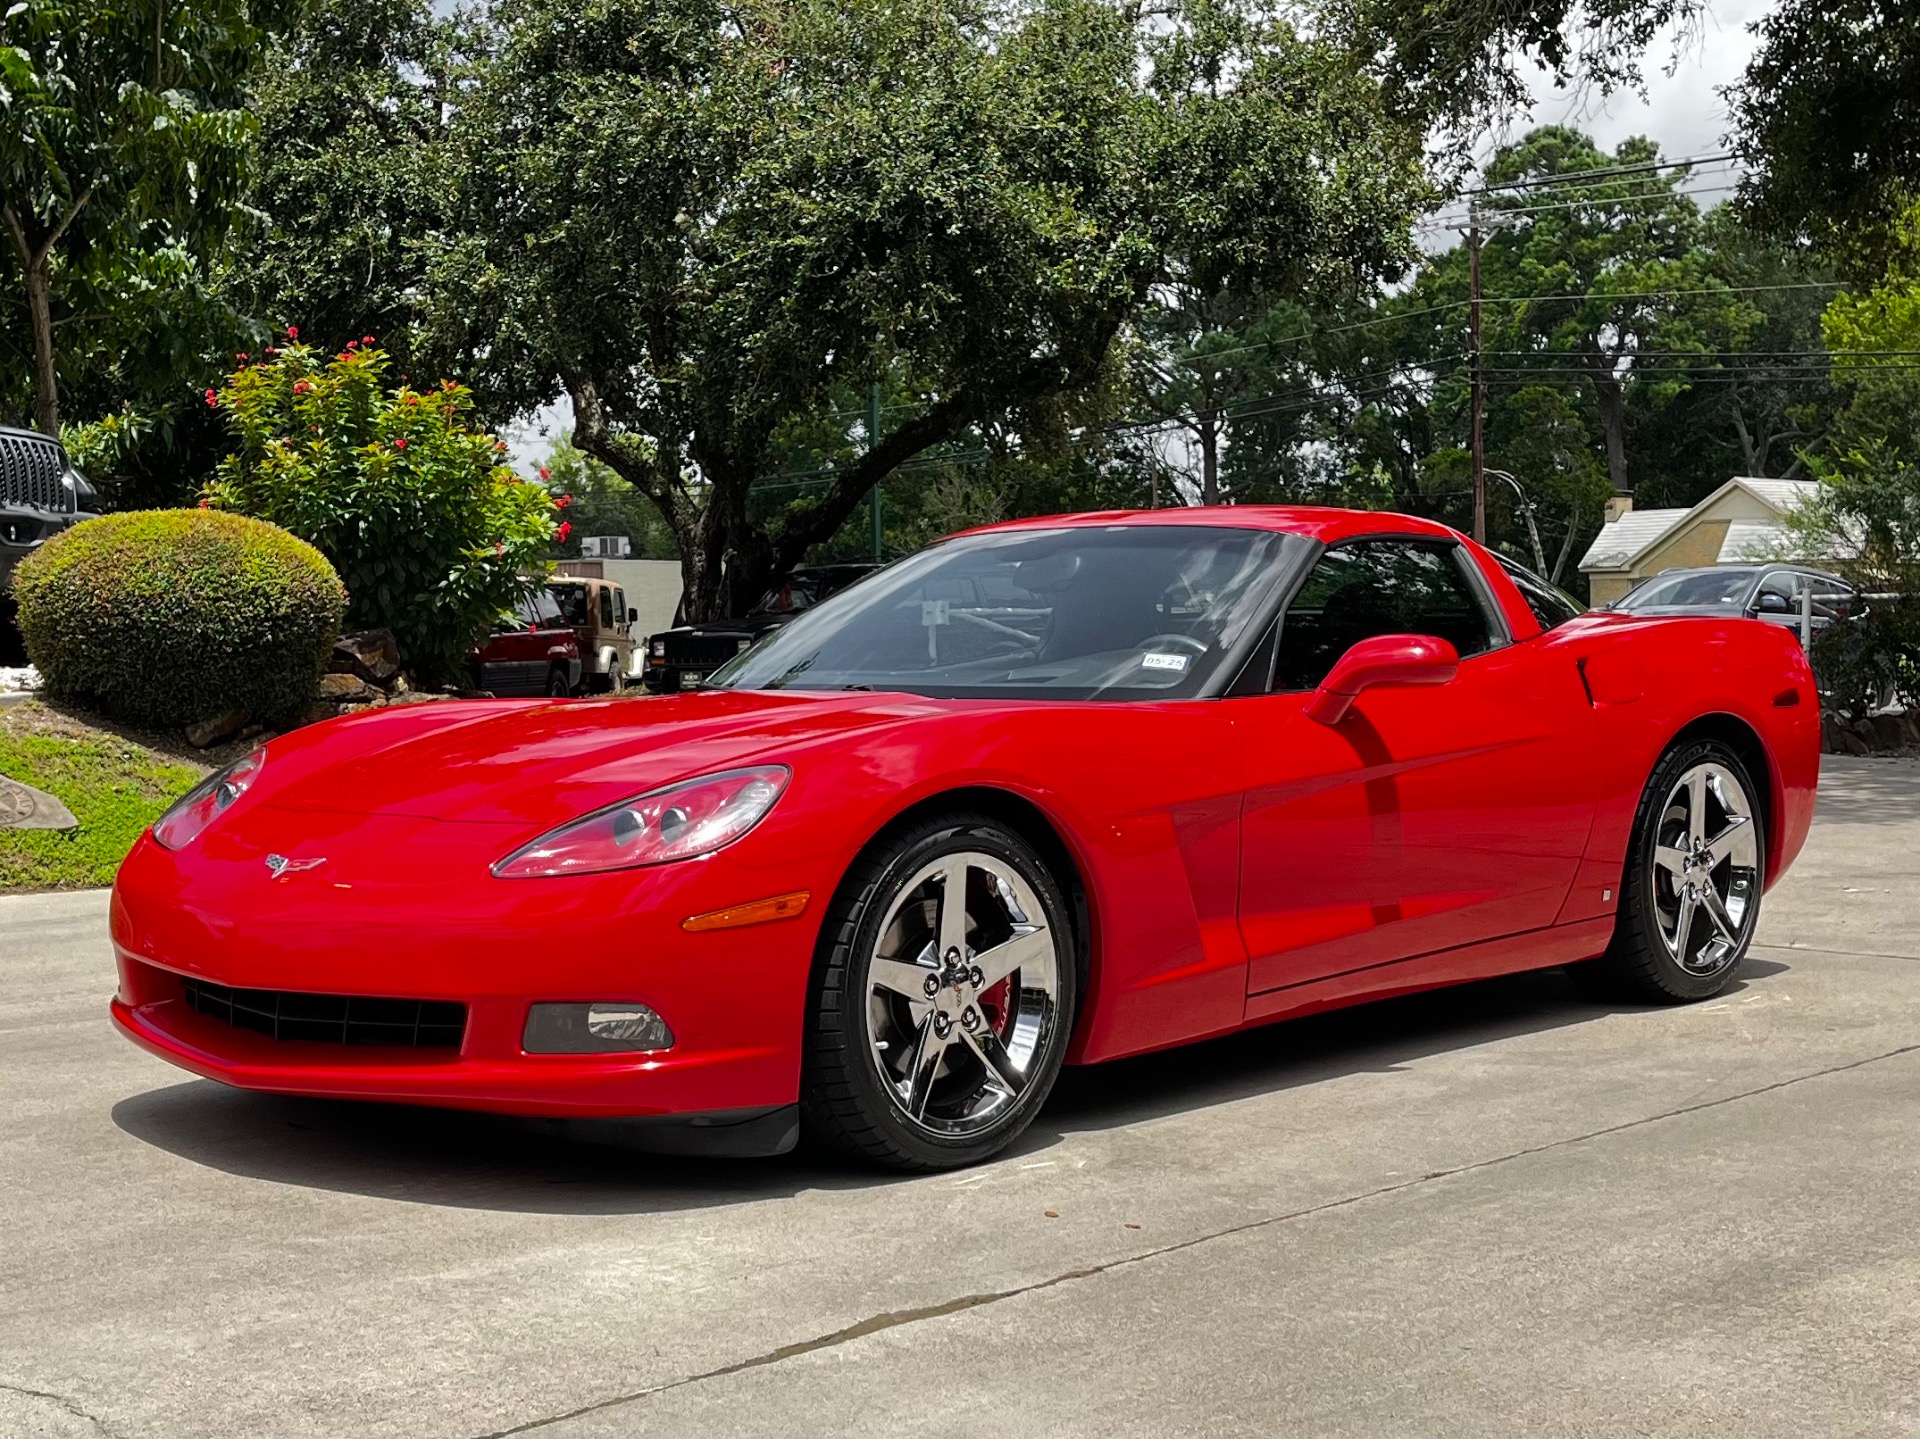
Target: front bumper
734,998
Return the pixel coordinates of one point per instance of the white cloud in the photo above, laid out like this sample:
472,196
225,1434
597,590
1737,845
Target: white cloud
1682,108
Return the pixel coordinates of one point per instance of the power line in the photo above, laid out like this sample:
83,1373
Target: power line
1574,177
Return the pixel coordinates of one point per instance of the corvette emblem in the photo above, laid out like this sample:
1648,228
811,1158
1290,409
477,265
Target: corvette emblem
280,864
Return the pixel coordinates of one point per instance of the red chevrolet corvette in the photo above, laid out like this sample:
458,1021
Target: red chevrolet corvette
1052,792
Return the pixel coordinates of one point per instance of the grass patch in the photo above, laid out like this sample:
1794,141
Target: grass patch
115,787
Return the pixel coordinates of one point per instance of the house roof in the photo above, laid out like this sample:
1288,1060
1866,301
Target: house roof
1622,541
1626,539
1752,542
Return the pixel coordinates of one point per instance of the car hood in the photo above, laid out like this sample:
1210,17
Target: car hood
540,764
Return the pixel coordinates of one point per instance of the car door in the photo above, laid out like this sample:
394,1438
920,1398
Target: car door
1428,817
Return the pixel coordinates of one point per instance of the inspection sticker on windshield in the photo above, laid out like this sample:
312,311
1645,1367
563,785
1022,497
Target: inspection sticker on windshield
1176,663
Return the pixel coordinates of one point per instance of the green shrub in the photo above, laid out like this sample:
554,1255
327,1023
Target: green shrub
169,617
427,526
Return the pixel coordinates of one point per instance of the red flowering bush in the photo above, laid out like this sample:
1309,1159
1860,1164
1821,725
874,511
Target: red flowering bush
429,529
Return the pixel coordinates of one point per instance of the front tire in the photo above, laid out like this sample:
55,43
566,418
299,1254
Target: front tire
942,998
1690,898
557,686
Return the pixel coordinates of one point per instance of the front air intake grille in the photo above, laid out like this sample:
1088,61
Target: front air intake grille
30,471
702,652
332,1018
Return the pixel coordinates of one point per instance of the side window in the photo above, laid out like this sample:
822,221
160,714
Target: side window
1550,607
620,607
606,608
1833,600
1377,587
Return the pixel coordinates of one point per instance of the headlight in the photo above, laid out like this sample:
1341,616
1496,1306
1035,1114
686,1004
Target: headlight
682,821
659,649
199,806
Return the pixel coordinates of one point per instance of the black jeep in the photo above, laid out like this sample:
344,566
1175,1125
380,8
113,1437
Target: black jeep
683,656
41,493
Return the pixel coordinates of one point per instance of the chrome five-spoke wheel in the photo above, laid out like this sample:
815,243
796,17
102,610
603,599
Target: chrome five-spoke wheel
963,988
1690,897
943,997
1706,868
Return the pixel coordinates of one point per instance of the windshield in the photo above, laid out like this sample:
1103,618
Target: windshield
1703,588
1120,612
571,601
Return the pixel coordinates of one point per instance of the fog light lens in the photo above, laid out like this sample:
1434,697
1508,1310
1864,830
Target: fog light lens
594,1029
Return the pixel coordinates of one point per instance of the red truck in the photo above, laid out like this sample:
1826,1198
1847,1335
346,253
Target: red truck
540,655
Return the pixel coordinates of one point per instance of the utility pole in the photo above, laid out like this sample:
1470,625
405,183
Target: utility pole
873,438
1479,377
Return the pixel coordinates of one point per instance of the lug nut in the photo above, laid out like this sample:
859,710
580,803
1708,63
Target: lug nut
932,985
975,977
953,956
941,1024
969,1017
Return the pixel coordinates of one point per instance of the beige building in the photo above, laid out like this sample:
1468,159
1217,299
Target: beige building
1742,522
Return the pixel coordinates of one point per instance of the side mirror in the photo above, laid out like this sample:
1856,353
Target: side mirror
1772,603
1381,660
633,617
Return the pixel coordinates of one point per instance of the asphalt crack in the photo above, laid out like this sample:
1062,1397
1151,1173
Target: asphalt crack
65,1403
894,1319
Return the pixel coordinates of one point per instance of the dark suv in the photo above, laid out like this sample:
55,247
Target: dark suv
683,656
41,494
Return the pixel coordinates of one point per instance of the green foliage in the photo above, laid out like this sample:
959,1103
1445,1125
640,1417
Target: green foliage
169,617
1826,116
122,165
430,530
354,176
599,502
114,788
710,222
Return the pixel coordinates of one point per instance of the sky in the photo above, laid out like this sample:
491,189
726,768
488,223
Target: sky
1681,108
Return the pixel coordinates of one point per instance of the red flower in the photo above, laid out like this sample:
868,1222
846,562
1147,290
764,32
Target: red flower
563,501
213,399
399,444
203,504
412,399
293,332
242,355
545,473
368,340
271,350
300,387
566,528
352,345
499,447
499,547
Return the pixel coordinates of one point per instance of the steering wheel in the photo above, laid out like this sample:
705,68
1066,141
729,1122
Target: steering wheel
1198,646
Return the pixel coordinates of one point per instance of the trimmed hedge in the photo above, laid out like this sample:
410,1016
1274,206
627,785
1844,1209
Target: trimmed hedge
170,617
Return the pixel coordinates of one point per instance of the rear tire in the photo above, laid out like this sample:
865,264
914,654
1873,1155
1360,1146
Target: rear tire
557,685
1690,897
934,1036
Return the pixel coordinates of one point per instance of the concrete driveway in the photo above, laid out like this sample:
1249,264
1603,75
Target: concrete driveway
1498,1210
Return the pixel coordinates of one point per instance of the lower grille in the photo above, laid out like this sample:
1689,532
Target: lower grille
332,1018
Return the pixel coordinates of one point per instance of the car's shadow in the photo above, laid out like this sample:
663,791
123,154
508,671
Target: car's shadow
472,1161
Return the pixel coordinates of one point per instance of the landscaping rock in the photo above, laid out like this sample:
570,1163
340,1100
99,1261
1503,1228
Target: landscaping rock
24,807
370,654
344,688
1889,732
415,697
317,711
1851,743
212,731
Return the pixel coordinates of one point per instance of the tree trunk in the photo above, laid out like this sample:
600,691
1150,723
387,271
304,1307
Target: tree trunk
1566,545
46,379
1612,403
1210,458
